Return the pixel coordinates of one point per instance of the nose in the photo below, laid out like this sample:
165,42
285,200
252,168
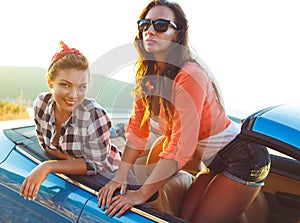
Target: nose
150,30
73,93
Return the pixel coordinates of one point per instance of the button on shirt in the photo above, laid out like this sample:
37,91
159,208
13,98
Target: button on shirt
85,134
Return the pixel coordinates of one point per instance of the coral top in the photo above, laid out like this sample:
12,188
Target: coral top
197,116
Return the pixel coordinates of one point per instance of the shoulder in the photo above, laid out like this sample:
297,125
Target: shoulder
191,67
44,96
94,110
41,103
192,73
89,104
42,99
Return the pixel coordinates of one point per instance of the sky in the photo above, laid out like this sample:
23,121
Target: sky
251,47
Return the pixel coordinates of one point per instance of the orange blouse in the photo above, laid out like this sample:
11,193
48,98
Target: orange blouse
197,115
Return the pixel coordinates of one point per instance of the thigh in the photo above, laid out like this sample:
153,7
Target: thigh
224,200
194,195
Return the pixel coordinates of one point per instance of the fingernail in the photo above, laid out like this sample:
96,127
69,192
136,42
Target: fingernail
122,192
106,206
33,198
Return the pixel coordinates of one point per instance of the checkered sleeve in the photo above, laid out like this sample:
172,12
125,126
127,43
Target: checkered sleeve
39,133
101,155
37,108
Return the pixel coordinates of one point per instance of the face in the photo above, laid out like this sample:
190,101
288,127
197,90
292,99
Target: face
158,43
69,89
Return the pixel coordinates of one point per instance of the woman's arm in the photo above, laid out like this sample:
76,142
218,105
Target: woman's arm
72,167
30,186
128,159
189,98
163,170
97,149
119,181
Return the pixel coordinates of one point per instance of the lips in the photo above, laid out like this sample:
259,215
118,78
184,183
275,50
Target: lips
150,41
70,103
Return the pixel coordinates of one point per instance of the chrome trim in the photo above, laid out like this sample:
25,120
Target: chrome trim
147,215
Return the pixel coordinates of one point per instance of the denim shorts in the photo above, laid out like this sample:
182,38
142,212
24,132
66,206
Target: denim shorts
243,162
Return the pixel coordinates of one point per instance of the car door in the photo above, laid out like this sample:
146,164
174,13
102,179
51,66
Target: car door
282,189
59,200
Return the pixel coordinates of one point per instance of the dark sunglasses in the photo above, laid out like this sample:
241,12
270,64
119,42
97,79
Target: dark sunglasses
160,25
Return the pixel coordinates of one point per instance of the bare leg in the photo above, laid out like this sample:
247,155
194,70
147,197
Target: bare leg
194,195
224,201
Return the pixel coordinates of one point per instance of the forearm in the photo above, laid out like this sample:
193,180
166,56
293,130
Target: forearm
128,159
72,167
164,169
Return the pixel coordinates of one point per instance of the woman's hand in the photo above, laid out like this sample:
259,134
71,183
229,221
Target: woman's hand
121,203
31,185
106,192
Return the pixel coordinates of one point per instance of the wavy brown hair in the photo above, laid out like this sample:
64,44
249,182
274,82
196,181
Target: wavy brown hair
157,91
154,91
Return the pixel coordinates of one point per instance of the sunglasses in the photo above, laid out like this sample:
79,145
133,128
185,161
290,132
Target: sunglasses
160,25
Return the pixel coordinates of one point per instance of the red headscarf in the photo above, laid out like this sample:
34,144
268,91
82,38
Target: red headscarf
64,50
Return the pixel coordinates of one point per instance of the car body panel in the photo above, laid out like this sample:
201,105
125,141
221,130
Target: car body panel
91,214
282,123
6,147
73,198
277,127
62,199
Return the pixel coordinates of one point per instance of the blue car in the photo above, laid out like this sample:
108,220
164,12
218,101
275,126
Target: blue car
65,198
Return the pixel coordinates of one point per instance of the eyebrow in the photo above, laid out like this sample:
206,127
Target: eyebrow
64,80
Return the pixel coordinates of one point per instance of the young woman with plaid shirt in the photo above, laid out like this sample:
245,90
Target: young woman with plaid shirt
69,125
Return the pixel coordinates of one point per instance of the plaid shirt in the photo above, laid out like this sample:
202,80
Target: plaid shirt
85,134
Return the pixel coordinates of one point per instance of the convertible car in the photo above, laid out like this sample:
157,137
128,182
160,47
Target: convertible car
65,198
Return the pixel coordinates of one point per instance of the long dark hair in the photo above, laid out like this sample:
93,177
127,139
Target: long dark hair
151,90
146,66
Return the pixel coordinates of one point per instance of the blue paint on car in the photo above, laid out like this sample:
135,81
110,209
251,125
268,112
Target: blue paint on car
282,123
